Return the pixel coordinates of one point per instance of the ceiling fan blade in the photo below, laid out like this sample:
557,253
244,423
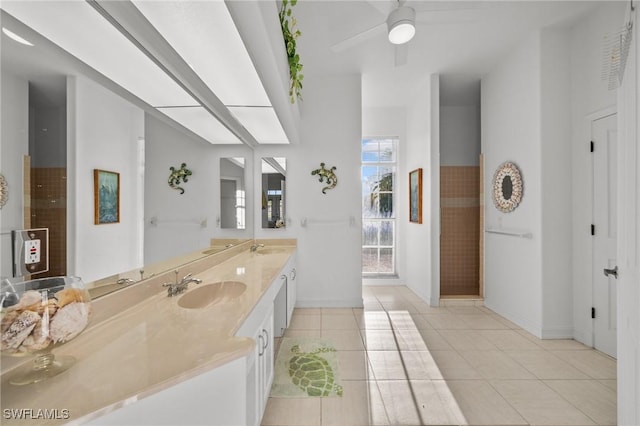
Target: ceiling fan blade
401,54
384,7
451,16
361,37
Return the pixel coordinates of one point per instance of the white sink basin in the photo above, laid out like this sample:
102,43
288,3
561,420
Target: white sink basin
211,294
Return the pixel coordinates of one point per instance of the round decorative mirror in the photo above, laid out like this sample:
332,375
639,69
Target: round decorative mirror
507,187
4,193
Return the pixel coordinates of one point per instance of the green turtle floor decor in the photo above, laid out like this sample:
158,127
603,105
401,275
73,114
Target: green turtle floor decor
312,373
306,367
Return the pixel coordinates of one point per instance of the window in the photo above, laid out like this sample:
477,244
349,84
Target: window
378,215
240,209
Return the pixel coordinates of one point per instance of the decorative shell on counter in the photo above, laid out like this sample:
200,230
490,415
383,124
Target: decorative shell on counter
42,318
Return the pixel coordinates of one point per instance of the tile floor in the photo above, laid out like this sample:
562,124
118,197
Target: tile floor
403,362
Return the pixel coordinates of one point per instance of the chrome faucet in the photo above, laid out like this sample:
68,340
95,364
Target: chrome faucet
255,247
179,287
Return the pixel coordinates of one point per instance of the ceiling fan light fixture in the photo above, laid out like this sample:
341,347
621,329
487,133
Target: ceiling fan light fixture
401,25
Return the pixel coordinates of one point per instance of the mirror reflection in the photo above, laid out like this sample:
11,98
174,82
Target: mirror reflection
507,188
39,83
274,172
232,193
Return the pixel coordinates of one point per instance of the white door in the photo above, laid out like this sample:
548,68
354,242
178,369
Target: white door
629,241
605,157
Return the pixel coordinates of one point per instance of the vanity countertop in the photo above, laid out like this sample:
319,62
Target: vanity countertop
149,346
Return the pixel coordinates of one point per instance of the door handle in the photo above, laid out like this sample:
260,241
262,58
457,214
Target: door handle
614,272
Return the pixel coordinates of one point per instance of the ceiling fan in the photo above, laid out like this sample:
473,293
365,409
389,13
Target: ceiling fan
400,24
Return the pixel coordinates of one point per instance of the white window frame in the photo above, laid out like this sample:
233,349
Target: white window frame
393,219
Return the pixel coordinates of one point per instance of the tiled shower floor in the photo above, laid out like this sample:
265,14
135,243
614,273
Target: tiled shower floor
403,362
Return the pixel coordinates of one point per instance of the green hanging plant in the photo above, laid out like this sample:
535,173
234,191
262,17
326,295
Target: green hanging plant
290,34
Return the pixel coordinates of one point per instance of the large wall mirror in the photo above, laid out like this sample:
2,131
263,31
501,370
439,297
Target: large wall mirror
41,73
232,193
274,188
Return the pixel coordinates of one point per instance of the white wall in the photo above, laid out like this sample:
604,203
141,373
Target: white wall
392,122
589,94
533,112
511,132
180,217
459,135
103,134
329,255
422,241
48,148
14,145
555,174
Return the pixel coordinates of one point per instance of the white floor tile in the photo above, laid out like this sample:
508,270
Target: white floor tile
377,320
545,365
539,404
446,321
510,340
452,366
345,340
305,322
414,364
481,404
592,363
360,405
292,412
354,365
589,396
467,340
496,365
339,322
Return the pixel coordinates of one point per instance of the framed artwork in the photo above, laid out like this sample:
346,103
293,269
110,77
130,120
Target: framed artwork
106,195
415,196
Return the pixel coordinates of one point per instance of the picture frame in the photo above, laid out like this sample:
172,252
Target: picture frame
106,195
415,196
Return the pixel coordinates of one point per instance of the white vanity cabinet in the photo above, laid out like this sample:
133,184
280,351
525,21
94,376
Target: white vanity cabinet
233,394
260,363
291,275
285,300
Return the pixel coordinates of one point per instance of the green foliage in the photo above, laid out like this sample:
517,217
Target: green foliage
382,203
290,34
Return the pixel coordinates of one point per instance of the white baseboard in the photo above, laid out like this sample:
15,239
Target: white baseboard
557,333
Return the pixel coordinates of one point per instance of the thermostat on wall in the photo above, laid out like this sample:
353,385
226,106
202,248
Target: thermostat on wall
30,251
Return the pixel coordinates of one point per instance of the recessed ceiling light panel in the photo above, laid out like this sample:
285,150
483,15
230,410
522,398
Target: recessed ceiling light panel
199,121
76,27
262,123
212,47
